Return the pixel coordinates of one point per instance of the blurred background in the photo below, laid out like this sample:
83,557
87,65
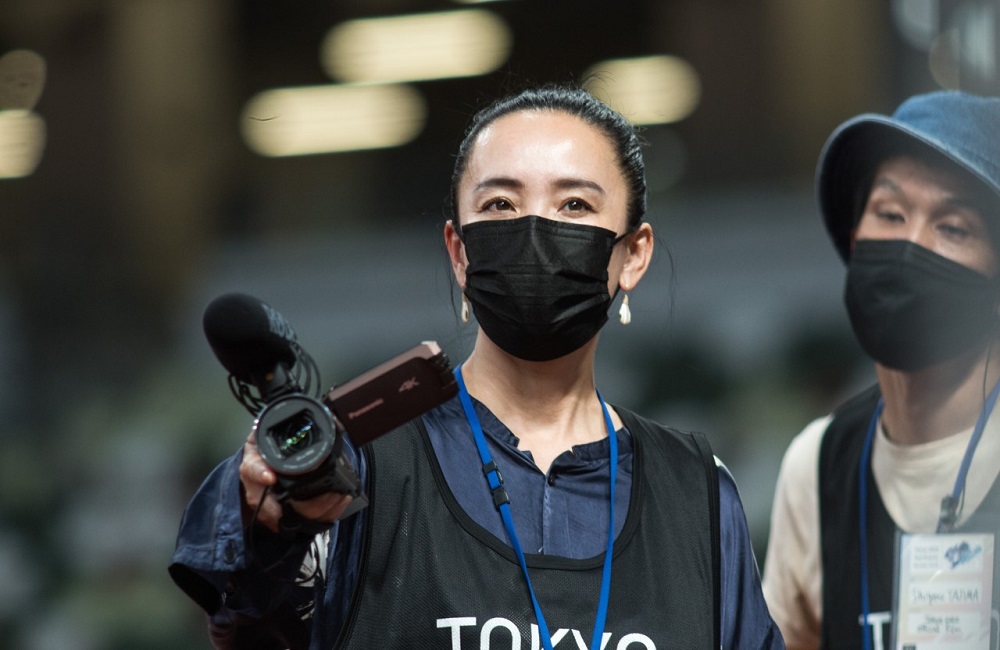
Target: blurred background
157,153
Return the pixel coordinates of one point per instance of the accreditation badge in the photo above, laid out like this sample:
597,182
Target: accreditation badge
943,591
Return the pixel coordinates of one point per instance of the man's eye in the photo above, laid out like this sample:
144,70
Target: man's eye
954,231
892,217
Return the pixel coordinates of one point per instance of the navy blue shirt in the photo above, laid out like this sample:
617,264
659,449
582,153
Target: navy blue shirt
563,513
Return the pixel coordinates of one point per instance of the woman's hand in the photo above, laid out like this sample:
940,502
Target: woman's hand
256,477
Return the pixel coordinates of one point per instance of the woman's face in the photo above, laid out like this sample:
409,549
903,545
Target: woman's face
546,163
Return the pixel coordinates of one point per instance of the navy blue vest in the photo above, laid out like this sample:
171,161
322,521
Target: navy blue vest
432,578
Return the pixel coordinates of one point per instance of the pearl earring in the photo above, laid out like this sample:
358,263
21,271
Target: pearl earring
465,309
624,313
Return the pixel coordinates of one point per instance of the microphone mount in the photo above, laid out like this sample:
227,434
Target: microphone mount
265,386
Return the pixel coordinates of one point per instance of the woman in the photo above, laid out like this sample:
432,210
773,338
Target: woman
492,515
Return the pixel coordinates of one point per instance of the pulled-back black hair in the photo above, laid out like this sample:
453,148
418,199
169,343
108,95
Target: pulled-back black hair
574,101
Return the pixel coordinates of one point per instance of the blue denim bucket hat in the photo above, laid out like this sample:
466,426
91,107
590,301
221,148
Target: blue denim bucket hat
951,125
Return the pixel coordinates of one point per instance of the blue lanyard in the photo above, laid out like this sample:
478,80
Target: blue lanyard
949,505
952,502
502,502
863,520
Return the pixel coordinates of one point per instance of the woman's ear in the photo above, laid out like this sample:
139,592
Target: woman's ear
637,257
456,252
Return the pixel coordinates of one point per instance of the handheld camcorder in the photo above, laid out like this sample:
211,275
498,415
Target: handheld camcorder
299,434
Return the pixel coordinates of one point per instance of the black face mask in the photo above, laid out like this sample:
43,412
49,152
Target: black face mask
538,287
912,308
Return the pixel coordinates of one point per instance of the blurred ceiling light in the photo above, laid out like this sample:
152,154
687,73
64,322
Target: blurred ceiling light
441,45
22,78
918,21
965,54
324,119
22,140
943,62
647,90
979,46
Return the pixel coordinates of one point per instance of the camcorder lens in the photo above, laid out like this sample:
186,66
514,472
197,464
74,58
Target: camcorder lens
294,434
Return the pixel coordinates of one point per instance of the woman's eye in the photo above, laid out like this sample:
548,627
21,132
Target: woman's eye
497,204
576,205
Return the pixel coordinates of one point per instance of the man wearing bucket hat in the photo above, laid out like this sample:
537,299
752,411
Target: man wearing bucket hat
886,512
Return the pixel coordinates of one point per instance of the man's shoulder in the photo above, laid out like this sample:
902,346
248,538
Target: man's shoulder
845,433
802,454
863,400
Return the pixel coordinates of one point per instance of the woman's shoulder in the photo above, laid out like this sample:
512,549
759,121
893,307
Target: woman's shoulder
642,425
652,434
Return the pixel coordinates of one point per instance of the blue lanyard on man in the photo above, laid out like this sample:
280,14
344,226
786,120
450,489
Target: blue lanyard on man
502,502
949,505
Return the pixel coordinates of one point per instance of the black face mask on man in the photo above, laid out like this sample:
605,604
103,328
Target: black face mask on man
538,287
911,308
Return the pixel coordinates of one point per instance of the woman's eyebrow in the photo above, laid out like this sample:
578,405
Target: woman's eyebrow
573,183
505,182
501,182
